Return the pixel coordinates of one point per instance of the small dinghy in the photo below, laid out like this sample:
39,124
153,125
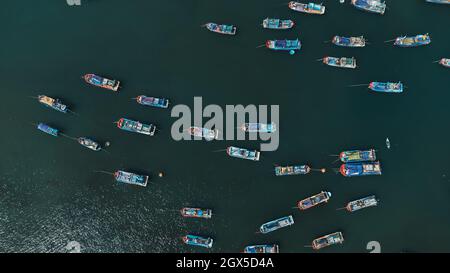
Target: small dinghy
196,213
349,41
195,240
340,62
205,133
262,249
310,8
89,143
272,23
328,240
366,202
314,200
221,29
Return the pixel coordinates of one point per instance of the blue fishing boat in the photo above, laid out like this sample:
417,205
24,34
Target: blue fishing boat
413,41
243,153
349,41
196,213
102,82
292,170
152,101
136,127
47,129
374,6
342,62
284,45
89,143
131,178
55,104
262,249
357,156
277,224
272,23
387,87
195,240
360,169
221,29
439,1
259,127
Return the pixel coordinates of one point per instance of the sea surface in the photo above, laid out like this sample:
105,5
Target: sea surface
51,198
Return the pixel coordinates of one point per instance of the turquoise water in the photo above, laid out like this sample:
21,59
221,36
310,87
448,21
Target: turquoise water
50,194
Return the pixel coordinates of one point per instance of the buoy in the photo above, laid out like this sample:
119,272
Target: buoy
160,174
323,170
107,143
342,1
292,52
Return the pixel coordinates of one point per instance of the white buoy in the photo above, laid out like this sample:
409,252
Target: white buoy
342,1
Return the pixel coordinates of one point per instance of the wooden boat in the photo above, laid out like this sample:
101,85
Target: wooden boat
328,240
284,45
277,224
310,8
413,41
386,87
272,23
89,143
349,41
259,127
195,240
221,29
196,213
360,169
373,6
340,62
102,82
366,202
208,134
243,153
131,178
262,249
47,129
136,127
314,200
445,62
152,101
55,104
357,156
292,170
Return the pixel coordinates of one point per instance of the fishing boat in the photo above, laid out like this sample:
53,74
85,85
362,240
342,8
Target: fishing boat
310,8
259,127
413,41
284,45
374,6
387,87
340,62
349,41
47,129
102,82
243,153
195,240
272,23
131,178
360,169
357,156
439,1
89,143
445,62
328,240
314,200
366,202
152,101
222,29
205,133
196,213
262,249
53,103
136,127
292,170
277,224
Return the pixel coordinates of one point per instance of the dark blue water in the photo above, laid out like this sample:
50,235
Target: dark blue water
50,194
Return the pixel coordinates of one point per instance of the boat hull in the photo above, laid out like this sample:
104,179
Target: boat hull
340,62
357,156
131,178
205,133
89,143
372,6
292,170
366,202
243,153
277,224
310,8
314,200
221,29
270,23
413,41
136,127
360,169
328,240
445,62
102,82
262,249
200,241
349,41
152,101
196,213
52,103
386,87
47,129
